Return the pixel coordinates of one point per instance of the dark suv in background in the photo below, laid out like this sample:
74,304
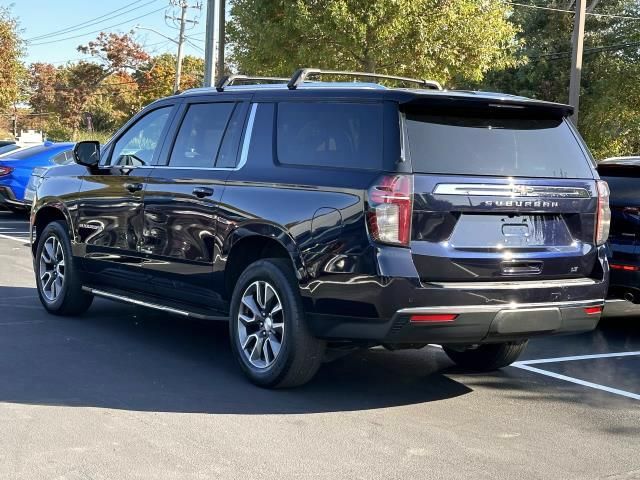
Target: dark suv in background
315,215
623,176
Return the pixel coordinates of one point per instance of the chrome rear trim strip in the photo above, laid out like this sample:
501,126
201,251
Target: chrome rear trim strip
461,309
523,285
511,190
154,306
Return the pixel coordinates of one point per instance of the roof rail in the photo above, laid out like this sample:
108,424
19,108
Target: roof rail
301,75
230,79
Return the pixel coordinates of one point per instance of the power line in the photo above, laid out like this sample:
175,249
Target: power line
99,30
91,22
552,9
196,46
604,48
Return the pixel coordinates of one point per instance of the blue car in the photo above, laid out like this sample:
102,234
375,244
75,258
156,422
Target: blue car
16,169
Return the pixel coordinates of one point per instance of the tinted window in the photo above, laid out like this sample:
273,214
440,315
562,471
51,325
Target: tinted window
138,145
495,146
28,152
8,148
229,150
344,135
200,135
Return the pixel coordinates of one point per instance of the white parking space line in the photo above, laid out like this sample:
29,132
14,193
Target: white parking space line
526,365
578,357
577,381
15,239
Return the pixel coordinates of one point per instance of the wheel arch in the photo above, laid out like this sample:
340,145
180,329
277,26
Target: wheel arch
44,215
251,243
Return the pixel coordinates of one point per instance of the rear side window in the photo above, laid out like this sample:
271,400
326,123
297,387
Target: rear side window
200,135
519,147
28,152
346,135
63,157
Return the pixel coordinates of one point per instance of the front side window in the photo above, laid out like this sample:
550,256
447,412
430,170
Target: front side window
200,135
346,135
138,145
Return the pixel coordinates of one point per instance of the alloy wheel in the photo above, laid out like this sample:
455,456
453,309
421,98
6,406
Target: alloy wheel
52,269
261,324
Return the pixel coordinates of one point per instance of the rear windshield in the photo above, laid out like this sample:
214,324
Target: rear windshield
28,152
518,147
623,183
347,135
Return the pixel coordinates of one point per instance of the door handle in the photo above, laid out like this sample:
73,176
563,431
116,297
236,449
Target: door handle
202,192
134,187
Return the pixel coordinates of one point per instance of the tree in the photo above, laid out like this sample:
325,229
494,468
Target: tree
12,71
74,90
156,76
610,95
42,84
438,39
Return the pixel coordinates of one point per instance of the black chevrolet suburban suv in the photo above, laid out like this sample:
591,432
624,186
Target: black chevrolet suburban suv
318,216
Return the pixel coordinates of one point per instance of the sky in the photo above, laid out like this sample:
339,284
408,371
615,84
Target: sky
79,19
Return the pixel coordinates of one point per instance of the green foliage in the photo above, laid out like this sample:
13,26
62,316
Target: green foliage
156,77
442,40
12,72
610,95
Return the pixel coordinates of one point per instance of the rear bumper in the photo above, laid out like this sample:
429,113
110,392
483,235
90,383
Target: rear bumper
472,324
7,196
495,323
378,308
624,280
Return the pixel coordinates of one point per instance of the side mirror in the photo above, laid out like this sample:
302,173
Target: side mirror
87,153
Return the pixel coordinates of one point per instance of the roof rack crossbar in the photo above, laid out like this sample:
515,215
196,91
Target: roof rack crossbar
302,74
231,79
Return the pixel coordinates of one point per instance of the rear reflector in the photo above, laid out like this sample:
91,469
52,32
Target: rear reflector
626,268
593,310
439,317
5,171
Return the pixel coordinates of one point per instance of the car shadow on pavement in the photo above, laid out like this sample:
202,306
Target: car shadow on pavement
123,357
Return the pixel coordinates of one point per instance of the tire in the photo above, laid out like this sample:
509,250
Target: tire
64,295
299,354
486,358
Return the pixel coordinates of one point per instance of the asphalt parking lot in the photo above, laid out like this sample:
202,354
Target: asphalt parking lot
125,393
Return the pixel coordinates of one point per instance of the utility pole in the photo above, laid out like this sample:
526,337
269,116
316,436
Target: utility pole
576,58
182,21
221,37
210,45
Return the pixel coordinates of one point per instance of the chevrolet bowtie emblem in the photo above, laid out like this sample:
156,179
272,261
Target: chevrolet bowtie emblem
521,190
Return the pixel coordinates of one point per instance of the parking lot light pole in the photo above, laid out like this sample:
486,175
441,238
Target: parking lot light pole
576,58
210,45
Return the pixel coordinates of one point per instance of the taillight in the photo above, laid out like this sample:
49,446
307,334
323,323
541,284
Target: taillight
390,205
604,214
5,171
625,268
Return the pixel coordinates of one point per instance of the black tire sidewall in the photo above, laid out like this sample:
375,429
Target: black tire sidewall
271,272
57,229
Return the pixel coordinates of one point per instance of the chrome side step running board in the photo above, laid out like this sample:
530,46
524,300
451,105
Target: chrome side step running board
152,305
